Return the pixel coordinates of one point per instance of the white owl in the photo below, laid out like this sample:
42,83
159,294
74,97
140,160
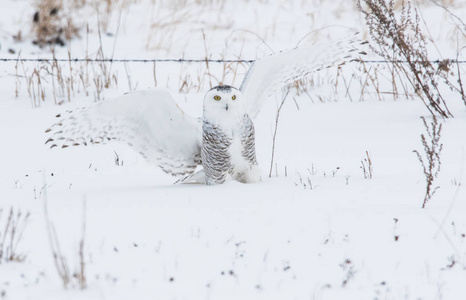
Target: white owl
228,142
222,141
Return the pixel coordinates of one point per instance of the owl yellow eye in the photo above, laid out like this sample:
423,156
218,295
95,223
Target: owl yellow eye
233,98
217,98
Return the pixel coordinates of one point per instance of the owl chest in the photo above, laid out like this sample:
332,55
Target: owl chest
224,141
236,151
235,143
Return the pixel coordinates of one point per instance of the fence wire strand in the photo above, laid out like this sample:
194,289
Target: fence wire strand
177,60
183,60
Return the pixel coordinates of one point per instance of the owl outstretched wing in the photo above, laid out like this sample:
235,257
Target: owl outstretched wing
149,121
268,75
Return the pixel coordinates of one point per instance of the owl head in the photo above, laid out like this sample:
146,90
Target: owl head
223,101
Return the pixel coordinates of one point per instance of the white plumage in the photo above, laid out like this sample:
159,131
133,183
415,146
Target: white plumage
222,140
228,138
149,121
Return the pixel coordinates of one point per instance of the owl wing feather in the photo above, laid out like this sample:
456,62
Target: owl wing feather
150,121
268,75
217,160
248,140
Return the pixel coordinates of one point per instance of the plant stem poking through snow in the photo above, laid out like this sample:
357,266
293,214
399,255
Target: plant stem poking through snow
60,261
10,235
432,149
285,92
366,166
401,42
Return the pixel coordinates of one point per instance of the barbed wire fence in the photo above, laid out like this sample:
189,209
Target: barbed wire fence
184,60
49,79
178,60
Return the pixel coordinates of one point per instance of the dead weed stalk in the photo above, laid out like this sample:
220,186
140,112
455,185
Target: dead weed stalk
400,41
68,278
430,161
367,166
51,24
11,234
285,93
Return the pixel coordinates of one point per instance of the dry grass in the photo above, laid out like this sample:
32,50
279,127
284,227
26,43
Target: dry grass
430,160
285,93
166,17
367,166
51,24
54,21
11,233
398,39
62,80
167,21
69,278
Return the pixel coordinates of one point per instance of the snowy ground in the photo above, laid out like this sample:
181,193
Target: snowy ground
347,237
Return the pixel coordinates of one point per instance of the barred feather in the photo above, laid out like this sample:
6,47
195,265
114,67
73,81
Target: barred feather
149,121
152,123
215,153
248,140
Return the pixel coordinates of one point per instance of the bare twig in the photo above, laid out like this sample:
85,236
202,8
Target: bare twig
400,38
59,259
431,163
11,235
366,166
463,30
284,95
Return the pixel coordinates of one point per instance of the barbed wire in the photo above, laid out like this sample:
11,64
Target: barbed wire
184,60
177,60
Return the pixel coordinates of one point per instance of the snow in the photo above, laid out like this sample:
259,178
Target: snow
346,238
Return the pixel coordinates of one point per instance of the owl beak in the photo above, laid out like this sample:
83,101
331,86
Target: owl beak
226,107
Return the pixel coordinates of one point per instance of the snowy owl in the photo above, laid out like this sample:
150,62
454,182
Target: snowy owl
228,143
222,141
